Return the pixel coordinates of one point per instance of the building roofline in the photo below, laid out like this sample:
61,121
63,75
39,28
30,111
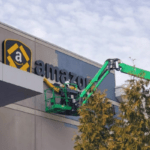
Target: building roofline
48,44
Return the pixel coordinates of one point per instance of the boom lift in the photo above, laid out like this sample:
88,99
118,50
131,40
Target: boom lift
70,99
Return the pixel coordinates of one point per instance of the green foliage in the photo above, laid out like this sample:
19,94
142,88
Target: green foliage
96,118
132,130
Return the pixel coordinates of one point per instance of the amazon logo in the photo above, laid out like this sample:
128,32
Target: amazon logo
17,54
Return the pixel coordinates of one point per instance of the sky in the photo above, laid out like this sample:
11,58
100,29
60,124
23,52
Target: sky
95,29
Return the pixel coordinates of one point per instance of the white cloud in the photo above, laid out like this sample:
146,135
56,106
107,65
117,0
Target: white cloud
10,9
39,32
51,10
36,2
98,30
17,3
67,7
124,11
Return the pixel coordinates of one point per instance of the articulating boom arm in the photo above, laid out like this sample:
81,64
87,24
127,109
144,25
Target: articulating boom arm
134,71
67,101
111,64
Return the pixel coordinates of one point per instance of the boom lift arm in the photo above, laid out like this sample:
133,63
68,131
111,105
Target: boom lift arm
67,104
111,64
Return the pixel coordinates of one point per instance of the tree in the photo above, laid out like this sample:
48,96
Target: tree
132,129
96,118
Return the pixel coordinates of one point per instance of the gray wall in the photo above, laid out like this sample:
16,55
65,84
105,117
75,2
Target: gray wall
23,131
24,125
84,69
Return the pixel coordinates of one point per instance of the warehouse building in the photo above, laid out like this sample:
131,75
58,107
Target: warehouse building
24,123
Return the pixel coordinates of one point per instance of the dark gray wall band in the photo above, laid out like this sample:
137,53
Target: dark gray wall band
84,69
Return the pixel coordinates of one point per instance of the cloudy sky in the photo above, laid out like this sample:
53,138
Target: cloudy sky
95,29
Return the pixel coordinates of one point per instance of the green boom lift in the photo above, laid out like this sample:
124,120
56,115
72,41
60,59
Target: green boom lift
69,99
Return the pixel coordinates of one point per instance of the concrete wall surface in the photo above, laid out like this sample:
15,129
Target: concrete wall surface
24,125
23,131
